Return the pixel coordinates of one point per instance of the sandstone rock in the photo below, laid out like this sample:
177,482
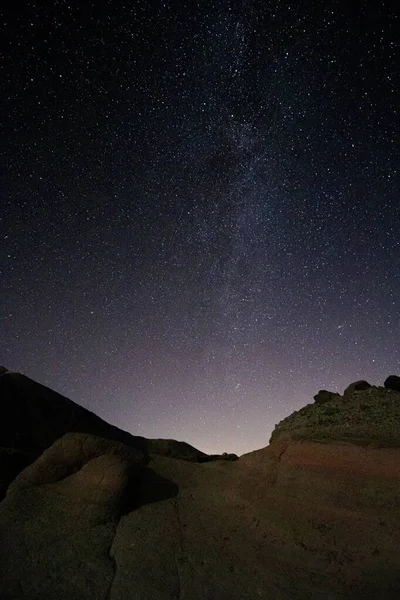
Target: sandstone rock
356,386
270,525
392,383
370,418
59,518
74,454
324,396
93,518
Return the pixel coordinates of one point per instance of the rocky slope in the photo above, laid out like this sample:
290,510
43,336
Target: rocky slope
311,516
368,417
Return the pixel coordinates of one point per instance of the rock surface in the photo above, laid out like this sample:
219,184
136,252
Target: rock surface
93,518
367,417
61,513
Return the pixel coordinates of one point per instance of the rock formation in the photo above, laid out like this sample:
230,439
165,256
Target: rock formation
356,386
393,383
368,417
324,396
314,515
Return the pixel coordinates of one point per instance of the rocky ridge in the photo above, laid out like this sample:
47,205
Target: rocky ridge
369,416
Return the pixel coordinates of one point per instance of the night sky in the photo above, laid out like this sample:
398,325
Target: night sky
200,213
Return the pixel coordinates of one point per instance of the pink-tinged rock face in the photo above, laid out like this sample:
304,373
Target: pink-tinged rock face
341,458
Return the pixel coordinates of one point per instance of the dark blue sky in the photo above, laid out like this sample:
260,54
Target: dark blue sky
200,214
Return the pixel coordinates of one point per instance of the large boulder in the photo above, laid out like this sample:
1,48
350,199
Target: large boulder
59,518
356,386
324,396
392,383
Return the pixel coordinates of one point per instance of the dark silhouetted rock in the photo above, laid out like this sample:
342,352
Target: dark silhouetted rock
393,383
3,370
224,456
357,386
229,456
324,396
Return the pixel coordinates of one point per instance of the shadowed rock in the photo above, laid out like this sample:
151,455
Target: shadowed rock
324,396
62,511
224,456
356,386
393,383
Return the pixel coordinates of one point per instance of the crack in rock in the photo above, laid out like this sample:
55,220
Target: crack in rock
283,451
180,543
113,562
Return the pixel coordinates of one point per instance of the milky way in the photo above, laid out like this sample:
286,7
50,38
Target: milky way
200,215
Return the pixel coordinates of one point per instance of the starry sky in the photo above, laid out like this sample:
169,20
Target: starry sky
200,213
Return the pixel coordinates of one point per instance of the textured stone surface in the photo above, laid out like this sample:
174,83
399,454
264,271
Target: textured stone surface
96,519
365,417
89,519
58,520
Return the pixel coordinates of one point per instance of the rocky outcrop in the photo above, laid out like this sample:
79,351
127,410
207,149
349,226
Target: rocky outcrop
303,518
393,383
325,396
364,417
356,386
